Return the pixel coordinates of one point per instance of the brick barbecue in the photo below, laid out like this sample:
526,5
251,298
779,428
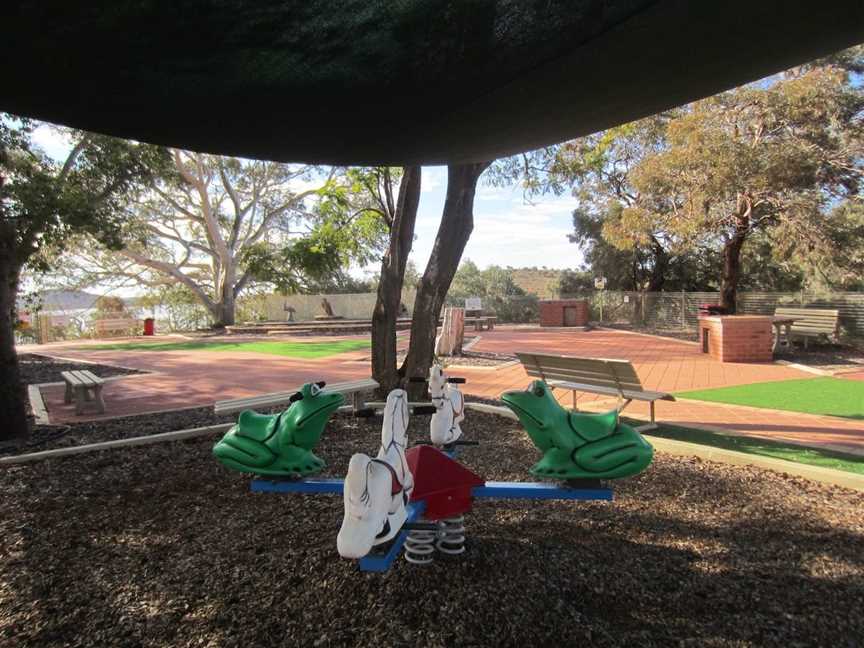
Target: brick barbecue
564,312
737,338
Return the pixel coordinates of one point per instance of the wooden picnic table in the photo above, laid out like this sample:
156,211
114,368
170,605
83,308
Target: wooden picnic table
779,322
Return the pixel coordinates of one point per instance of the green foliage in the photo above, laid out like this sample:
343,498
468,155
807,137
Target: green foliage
496,288
108,307
770,162
348,225
43,202
758,158
572,282
175,306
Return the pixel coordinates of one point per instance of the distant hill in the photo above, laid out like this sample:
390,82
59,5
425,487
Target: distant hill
66,300
539,281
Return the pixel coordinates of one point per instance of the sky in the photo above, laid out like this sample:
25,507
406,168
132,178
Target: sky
508,231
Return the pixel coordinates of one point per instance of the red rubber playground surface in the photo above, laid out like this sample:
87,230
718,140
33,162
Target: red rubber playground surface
197,378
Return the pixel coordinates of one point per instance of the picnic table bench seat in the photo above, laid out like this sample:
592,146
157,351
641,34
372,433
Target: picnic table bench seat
478,321
85,387
594,376
812,323
355,388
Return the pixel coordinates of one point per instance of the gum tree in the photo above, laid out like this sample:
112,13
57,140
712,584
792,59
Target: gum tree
457,223
769,158
44,202
215,224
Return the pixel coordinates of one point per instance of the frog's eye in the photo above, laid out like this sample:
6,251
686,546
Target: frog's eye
314,389
539,391
296,396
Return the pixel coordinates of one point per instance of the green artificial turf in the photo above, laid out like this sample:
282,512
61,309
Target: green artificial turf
831,396
756,446
272,347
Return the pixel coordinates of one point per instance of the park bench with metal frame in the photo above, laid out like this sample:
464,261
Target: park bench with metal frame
593,376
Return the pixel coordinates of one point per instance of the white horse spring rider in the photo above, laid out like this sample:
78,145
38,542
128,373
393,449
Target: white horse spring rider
450,408
377,490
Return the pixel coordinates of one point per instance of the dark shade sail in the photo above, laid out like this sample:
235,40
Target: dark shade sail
393,81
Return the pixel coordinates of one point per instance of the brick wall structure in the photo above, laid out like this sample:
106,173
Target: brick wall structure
564,312
737,338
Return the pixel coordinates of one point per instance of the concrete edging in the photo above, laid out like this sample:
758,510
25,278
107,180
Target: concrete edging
119,443
687,449
37,405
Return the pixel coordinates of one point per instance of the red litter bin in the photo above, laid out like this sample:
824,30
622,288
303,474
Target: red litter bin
149,326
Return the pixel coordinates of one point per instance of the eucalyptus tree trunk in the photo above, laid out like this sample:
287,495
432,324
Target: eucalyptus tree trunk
731,272
14,422
223,308
392,276
457,222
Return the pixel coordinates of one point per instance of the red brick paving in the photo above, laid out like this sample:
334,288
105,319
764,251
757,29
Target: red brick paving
192,379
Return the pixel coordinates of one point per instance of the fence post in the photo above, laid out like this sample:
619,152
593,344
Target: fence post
802,298
683,310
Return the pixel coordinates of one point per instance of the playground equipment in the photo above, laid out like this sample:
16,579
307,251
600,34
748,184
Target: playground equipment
377,490
416,498
577,445
281,444
449,407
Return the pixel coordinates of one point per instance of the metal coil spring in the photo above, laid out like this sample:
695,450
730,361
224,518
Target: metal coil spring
451,537
419,547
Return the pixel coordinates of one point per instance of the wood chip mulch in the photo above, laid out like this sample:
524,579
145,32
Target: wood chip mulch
37,369
162,546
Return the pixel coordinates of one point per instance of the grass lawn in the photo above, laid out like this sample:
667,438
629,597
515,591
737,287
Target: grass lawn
777,449
271,347
831,396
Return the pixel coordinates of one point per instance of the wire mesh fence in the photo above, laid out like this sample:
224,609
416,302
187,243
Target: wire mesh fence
680,310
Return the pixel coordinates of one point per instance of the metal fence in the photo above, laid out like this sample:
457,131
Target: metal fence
658,310
679,310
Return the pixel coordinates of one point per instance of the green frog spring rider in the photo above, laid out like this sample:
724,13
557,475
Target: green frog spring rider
280,444
577,445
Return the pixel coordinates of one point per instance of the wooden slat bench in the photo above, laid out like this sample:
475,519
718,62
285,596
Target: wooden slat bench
812,323
479,319
265,401
85,387
593,376
101,327
478,322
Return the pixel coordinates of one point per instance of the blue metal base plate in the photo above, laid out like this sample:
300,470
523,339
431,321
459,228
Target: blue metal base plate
309,485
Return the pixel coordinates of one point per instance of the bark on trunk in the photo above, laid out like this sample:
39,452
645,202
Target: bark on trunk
659,267
457,222
387,304
223,313
13,410
731,270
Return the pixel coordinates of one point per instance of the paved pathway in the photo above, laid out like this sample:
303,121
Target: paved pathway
189,379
